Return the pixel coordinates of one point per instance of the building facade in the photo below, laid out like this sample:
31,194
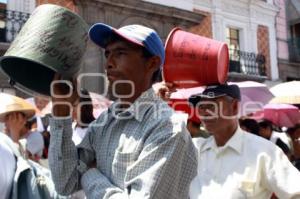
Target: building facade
13,15
288,39
255,30
118,13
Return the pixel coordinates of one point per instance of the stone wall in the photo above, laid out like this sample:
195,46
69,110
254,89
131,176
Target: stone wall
204,28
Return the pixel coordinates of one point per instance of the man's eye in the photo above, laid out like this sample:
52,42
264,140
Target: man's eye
106,55
118,53
207,106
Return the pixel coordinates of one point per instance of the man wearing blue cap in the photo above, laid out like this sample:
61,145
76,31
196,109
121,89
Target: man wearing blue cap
136,149
233,163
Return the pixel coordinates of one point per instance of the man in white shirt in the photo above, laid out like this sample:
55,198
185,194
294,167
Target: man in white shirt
8,166
233,163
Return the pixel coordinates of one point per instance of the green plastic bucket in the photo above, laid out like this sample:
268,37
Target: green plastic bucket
53,40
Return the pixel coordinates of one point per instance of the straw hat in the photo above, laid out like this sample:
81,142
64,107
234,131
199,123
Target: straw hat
10,103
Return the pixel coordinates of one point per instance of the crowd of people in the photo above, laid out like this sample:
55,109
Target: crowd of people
137,147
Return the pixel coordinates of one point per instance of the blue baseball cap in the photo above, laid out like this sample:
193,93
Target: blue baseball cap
215,91
137,34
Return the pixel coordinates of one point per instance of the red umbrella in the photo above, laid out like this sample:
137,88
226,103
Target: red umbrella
282,115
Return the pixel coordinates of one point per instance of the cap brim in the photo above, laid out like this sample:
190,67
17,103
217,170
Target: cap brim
195,99
99,34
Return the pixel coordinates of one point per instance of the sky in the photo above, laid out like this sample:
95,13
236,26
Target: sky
3,1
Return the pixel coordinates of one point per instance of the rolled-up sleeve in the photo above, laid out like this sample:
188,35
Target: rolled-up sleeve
65,165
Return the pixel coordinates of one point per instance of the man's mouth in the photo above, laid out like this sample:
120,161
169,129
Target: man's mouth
111,76
209,121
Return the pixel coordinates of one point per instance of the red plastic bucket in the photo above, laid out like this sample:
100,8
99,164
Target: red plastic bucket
192,60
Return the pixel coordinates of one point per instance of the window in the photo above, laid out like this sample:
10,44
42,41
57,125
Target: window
233,38
233,42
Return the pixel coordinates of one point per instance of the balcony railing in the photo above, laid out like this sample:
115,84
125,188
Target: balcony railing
247,63
11,23
294,49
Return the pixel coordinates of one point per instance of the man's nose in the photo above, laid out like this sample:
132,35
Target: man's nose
110,63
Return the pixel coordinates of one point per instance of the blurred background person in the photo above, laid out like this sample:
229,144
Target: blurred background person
14,113
34,146
294,133
43,113
267,131
196,129
82,116
42,104
249,125
8,167
17,116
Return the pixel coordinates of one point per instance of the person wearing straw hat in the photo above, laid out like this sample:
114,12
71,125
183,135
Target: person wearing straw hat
134,149
233,163
14,113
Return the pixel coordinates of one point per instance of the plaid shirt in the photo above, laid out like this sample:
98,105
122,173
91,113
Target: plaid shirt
140,152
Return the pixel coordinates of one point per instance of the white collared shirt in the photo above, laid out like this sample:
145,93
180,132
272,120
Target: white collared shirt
8,166
78,133
247,166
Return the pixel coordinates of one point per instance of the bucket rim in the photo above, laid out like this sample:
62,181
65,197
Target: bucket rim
166,44
223,76
19,86
83,22
27,90
170,34
27,59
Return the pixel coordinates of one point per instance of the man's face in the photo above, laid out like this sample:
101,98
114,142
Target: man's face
15,120
265,132
125,61
40,103
217,113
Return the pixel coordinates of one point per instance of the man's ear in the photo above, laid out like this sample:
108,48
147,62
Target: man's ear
235,106
153,64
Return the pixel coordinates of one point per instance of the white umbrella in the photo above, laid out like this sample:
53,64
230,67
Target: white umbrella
287,93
